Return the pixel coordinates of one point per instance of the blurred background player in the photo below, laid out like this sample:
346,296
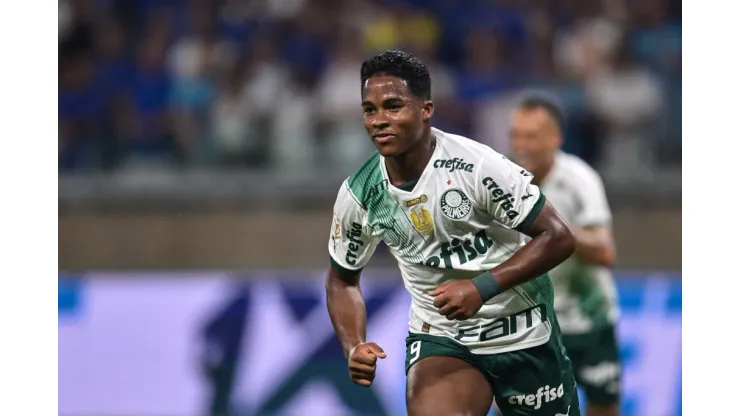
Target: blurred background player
585,293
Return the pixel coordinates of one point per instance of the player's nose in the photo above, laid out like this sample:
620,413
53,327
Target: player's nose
380,123
380,120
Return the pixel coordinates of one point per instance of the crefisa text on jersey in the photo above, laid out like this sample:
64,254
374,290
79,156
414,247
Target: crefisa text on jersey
453,165
466,250
355,242
498,196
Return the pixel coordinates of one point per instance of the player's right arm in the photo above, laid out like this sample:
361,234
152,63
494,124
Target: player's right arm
351,244
592,226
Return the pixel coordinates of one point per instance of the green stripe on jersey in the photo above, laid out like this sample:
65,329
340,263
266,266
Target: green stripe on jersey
384,214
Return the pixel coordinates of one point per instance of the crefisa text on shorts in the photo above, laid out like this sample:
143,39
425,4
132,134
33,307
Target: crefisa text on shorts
546,394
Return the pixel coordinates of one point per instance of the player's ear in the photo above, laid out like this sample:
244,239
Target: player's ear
427,110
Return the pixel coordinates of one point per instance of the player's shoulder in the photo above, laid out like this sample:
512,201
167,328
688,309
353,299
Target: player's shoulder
362,183
575,170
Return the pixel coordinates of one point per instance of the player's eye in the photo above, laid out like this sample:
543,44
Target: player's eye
368,110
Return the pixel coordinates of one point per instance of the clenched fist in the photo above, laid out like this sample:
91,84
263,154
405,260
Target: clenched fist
457,300
361,362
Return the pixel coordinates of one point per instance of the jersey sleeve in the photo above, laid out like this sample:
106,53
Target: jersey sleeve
351,242
594,208
505,190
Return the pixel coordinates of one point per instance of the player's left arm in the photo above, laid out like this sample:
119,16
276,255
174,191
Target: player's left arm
505,191
592,226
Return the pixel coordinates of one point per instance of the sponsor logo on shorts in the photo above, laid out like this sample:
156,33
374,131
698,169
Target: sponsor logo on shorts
453,165
455,204
545,394
355,242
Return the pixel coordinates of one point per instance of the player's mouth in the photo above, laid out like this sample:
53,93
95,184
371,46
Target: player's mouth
383,138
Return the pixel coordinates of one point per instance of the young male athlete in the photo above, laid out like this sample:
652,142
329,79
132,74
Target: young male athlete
585,295
454,213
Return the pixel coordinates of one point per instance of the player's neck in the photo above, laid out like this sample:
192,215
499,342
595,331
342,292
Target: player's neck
411,164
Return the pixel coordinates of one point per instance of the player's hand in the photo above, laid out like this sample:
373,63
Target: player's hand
457,300
362,359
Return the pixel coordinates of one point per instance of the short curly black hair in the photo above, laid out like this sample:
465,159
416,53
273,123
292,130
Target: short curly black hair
402,65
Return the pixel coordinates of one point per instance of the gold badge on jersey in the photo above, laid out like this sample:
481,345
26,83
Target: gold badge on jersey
422,219
416,201
337,229
426,327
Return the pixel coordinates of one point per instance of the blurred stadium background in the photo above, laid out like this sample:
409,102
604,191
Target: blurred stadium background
201,145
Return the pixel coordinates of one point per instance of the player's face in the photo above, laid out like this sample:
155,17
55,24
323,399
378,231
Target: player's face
534,138
394,117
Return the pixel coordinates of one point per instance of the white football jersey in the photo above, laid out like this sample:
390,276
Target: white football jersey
585,294
458,220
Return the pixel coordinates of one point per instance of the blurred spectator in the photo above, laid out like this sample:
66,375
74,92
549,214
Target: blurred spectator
306,42
490,118
627,99
304,54
448,114
545,75
83,121
230,122
656,41
243,117
266,9
257,84
338,101
400,25
65,18
482,78
294,140
115,67
149,138
584,49
197,60
541,37
484,72
116,74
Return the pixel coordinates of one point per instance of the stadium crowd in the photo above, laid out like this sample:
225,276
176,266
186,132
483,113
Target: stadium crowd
274,84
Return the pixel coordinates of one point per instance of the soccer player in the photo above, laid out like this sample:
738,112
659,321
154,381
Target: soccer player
454,214
585,295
